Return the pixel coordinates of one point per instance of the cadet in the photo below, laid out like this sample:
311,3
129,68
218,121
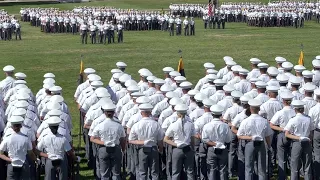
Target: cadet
254,130
53,147
223,20
300,130
84,35
277,123
93,34
18,30
205,20
110,136
120,32
7,83
171,25
178,22
192,27
186,26
180,135
147,135
18,146
216,134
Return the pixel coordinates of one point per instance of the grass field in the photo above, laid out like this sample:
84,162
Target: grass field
39,53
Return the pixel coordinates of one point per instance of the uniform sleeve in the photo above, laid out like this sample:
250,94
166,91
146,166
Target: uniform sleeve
122,132
96,132
29,145
241,130
41,127
170,131
269,131
311,126
228,136
160,134
276,118
289,126
40,145
130,123
133,133
4,146
193,131
205,134
66,145
226,115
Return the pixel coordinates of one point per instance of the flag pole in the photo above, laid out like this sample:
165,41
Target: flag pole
80,114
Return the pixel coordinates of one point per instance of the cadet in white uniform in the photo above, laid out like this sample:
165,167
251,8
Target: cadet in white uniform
308,99
216,134
7,83
219,94
85,84
255,72
148,136
18,146
254,130
261,87
300,130
110,136
180,135
243,85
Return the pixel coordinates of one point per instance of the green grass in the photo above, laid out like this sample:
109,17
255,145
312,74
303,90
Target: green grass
39,53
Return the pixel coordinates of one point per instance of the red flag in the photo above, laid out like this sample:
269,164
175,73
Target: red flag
210,8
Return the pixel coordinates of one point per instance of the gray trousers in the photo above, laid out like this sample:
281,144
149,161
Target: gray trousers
217,164
301,152
169,161
232,156
283,149
22,173
241,159
148,161
203,161
110,162
316,153
182,159
51,171
95,152
252,153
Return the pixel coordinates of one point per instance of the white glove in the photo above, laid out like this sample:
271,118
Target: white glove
38,161
179,145
220,145
78,159
304,139
147,142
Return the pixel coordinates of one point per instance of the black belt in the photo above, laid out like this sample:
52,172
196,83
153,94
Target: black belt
185,149
318,130
56,162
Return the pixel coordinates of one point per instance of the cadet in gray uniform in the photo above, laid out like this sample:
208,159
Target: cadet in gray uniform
183,133
110,136
300,130
120,32
217,134
147,135
18,146
192,24
53,147
84,35
255,130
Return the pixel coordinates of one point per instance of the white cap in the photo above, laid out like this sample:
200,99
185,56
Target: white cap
216,109
230,63
171,95
55,112
53,121
299,68
130,82
273,89
23,96
174,74
159,82
97,84
20,82
94,77
212,71
255,61
219,82
142,69
49,75
211,77
316,63
48,86
167,69
115,76
53,105
228,88
16,120
135,95
227,58
89,71
124,77
287,65
245,99
307,74
55,89
273,71
142,100
109,107
308,87
208,102
280,59
236,94
104,101
186,85
254,102
199,97
263,65
49,81
121,65
20,75
56,98
180,79
282,78
174,101
243,71
145,107
151,79
236,68
208,65
298,103
102,92
295,80
19,112
8,68
21,104
317,92
318,57
115,71
261,84
133,88
287,95
166,88
146,73
193,92
181,108
254,80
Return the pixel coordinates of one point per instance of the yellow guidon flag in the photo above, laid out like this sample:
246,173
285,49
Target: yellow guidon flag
301,58
81,80
181,67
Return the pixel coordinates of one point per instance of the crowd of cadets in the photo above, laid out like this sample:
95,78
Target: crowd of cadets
233,122
10,27
35,130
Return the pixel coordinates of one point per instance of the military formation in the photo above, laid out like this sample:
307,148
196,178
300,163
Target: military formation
10,27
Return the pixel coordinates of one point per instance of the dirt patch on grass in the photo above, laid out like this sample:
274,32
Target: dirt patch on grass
234,35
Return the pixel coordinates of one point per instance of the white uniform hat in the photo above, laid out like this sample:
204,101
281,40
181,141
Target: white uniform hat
199,97
171,95
21,104
193,92
273,71
53,105
287,65
212,71
23,96
121,65
115,76
48,86
94,77
16,120
19,112
316,63
236,68
167,69
236,94
133,88
254,102
89,71
151,79
143,69
142,100
49,81
299,68
228,88
255,61
135,95
104,101
145,107
109,107
273,89
19,82
287,95
53,121
208,65
318,57
295,80
124,77
298,104
56,98
20,75
159,82
280,59
261,84
102,92
307,74
254,80
146,73
97,84
186,85
175,100
230,63
166,88
208,102
245,99
180,79
49,75
115,71
55,112
8,68
227,58
282,78
181,108
216,109
55,89
211,77
308,87
174,74
263,65
130,82
219,82
243,71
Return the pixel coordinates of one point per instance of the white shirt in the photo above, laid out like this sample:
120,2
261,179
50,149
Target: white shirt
282,117
156,98
300,125
269,108
262,97
124,109
232,112
254,73
218,96
134,110
239,118
264,77
181,131
200,83
297,95
186,99
234,80
216,131
195,114
160,107
17,146
6,84
255,125
226,102
314,114
134,119
228,76
253,93
273,82
54,145
309,104
209,90
243,86
110,131
222,72
150,91
165,114
201,121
